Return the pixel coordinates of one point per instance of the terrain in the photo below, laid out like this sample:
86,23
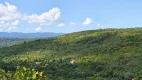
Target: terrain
6,42
11,38
105,54
28,35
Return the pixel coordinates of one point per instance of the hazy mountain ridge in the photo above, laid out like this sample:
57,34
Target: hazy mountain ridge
12,38
28,35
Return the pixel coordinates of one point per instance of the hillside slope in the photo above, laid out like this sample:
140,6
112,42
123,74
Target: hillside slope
6,42
110,54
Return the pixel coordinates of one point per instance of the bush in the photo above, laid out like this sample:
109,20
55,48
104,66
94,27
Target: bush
22,73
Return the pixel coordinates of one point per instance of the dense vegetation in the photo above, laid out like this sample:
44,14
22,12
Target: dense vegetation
6,42
107,54
22,74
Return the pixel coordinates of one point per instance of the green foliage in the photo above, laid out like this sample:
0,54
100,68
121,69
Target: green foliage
6,42
28,74
22,74
108,54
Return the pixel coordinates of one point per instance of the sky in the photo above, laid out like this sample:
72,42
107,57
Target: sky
68,16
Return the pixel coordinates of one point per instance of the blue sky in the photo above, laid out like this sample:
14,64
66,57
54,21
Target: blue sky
68,15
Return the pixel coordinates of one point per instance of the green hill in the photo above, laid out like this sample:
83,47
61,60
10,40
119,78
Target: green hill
6,42
107,54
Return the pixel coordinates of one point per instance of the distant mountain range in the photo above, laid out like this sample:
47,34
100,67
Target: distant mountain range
28,35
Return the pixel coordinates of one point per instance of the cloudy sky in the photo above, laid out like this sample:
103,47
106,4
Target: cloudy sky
68,15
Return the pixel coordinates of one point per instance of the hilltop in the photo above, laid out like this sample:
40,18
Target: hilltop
106,54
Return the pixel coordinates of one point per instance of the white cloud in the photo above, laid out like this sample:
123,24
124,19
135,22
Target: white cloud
16,22
1,30
97,24
8,26
46,17
9,17
61,24
11,28
88,21
8,12
72,23
38,29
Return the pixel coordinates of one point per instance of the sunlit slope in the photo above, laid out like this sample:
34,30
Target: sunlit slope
95,54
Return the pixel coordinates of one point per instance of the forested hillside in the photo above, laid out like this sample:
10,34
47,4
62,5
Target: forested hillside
106,54
6,42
